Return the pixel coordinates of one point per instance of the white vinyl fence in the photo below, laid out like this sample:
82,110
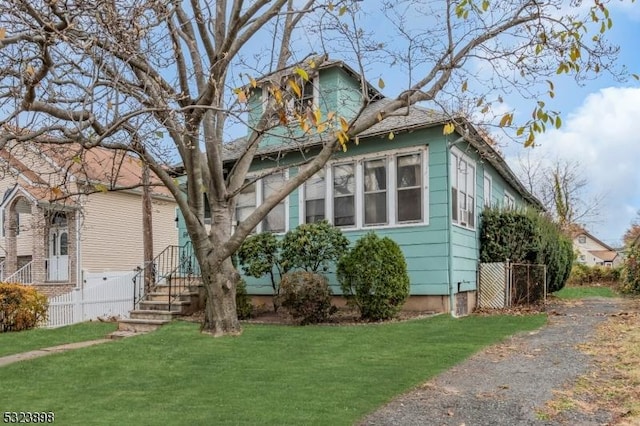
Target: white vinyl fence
108,297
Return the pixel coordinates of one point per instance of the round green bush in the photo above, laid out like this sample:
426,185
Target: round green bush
373,276
306,296
313,246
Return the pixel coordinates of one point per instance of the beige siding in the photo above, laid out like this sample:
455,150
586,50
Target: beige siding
24,239
111,238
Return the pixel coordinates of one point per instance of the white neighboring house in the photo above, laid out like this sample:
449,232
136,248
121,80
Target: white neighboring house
591,251
57,240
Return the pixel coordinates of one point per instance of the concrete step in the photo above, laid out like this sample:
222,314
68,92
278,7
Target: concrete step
120,334
180,288
140,325
179,306
153,314
160,297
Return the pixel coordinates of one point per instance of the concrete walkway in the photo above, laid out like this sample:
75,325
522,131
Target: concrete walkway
10,359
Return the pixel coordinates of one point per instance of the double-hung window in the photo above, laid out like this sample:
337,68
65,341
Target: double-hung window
409,187
369,191
344,194
462,190
246,202
375,191
509,201
314,194
487,190
275,219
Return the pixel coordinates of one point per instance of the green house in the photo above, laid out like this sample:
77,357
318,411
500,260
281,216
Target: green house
420,187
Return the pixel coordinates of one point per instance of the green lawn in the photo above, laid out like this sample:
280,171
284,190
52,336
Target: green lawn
581,292
271,375
23,341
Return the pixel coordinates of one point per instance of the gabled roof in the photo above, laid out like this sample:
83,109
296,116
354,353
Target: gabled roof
604,255
578,230
414,118
115,169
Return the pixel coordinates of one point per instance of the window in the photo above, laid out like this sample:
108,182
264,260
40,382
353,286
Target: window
409,187
582,239
292,106
509,201
344,195
369,191
463,173
375,192
314,195
246,202
583,258
275,220
487,190
301,104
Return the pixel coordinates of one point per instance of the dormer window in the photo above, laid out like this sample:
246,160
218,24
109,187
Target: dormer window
293,105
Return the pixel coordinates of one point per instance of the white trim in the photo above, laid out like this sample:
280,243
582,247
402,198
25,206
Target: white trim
461,156
391,190
487,203
508,197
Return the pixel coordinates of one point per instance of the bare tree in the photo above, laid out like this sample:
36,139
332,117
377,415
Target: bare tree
161,76
562,188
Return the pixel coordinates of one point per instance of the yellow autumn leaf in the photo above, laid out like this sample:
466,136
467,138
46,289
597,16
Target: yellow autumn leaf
506,120
312,64
278,95
101,187
253,82
330,7
296,89
242,97
56,191
529,140
302,73
76,159
391,136
485,5
3,33
379,117
448,129
381,83
342,10
321,128
304,126
30,70
464,86
330,115
344,124
317,115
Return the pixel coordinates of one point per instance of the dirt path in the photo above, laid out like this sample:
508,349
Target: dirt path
509,384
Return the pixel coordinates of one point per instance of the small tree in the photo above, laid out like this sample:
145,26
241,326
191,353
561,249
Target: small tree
313,246
631,271
21,307
373,276
259,255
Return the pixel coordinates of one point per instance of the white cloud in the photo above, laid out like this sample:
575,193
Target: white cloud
603,136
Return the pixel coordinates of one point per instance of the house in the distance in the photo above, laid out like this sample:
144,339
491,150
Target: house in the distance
593,252
405,178
58,232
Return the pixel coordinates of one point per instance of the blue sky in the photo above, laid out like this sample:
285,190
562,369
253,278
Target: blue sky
601,117
601,132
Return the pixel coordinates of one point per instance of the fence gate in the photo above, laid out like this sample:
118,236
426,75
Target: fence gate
503,284
110,297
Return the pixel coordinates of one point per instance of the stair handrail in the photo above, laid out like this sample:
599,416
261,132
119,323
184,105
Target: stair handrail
22,275
171,263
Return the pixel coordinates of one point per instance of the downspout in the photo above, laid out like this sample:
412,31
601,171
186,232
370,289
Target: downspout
452,306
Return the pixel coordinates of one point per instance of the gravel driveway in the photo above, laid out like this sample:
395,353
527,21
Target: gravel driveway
506,384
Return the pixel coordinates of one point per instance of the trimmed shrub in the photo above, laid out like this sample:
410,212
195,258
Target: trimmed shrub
306,296
373,276
258,256
21,307
631,271
526,236
313,246
244,307
582,274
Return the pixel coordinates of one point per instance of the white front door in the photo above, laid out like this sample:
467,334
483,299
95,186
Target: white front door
58,254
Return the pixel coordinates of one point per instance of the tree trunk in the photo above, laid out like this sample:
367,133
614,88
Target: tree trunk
220,280
147,230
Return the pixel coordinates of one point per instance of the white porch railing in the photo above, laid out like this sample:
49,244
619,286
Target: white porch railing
21,276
